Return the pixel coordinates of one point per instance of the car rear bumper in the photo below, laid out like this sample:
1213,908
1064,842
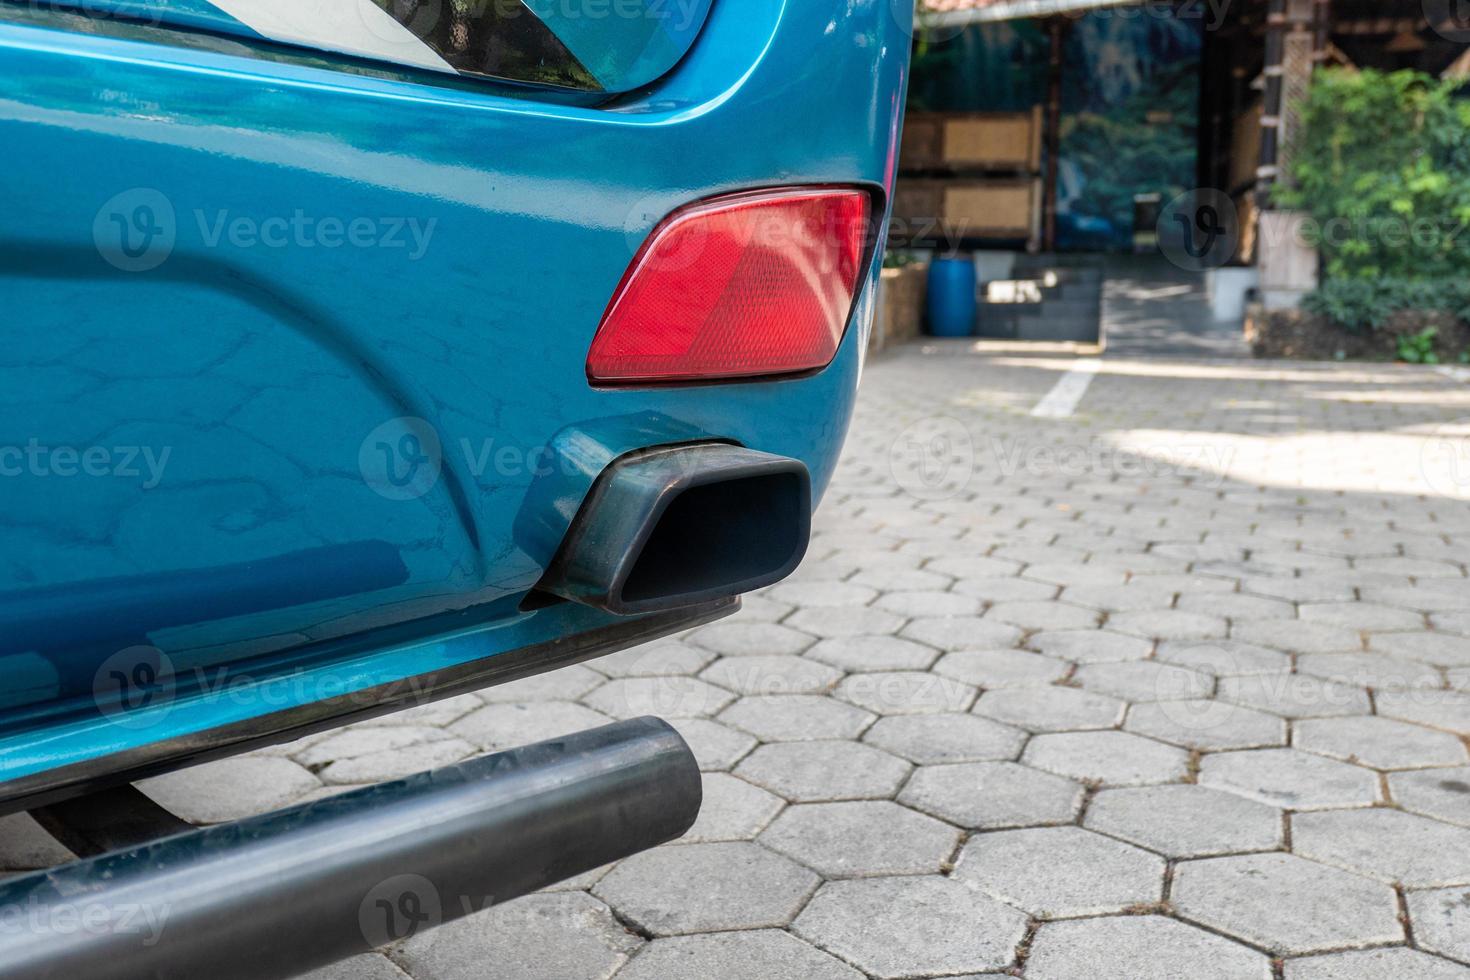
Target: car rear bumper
293,389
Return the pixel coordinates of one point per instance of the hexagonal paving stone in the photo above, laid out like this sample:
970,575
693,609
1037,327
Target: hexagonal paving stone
1185,821
1294,695
822,593
1005,589
732,810
1236,605
1224,658
1091,646
1449,710
835,621
961,633
1111,758
762,954
659,659
229,789
1451,622
1375,670
1439,649
929,604
913,926
1001,668
1290,778
716,747
1143,947
1043,615
1118,598
864,653
1443,794
1298,636
1386,844
1050,708
821,771
734,639
975,567
1441,919
687,888
902,580
1379,742
666,697
1286,904
1314,588
1145,680
1169,624
934,739
503,726
25,846
1206,725
1394,963
1056,872
906,693
771,675
398,762
844,840
1360,616
1442,595
539,937
797,718
369,966
993,795
563,684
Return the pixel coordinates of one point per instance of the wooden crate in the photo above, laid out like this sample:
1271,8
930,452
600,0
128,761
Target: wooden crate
991,209
994,140
918,201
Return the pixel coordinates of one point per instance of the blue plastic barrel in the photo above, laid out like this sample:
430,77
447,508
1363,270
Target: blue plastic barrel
952,297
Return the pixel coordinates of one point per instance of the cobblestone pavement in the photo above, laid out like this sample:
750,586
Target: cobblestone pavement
1176,686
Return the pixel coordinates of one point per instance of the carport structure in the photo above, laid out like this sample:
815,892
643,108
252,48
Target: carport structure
1245,63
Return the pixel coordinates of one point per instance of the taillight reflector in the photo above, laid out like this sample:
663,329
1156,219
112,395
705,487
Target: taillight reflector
744,286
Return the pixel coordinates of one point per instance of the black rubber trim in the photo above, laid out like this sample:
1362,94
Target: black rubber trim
65,782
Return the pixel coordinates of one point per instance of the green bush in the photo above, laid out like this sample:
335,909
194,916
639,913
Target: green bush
1382,166
1368,304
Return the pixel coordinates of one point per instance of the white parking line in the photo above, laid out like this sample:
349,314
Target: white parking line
1063,399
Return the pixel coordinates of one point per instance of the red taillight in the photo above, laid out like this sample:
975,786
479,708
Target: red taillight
749,285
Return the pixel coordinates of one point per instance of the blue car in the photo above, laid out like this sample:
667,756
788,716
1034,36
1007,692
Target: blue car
363,352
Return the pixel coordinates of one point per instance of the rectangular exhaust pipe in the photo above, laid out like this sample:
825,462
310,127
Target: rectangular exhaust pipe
276,895
676,526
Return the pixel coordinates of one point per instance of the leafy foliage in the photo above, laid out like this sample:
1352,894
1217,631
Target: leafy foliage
1382,165
1418,348
1369,304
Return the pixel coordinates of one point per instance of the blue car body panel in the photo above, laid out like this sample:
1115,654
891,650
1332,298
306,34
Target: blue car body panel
623,44
293,380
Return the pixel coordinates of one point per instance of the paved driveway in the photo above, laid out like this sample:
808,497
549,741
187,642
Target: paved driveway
1153,671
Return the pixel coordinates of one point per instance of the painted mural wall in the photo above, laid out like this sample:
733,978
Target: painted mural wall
1130,105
